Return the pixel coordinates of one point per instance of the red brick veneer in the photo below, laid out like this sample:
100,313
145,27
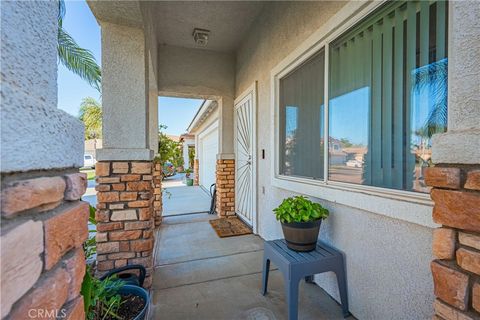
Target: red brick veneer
225,180
44,225
456,245
125,215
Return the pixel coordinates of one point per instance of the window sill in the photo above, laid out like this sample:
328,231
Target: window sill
402,205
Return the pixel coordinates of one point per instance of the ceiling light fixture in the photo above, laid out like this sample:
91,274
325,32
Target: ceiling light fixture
201,37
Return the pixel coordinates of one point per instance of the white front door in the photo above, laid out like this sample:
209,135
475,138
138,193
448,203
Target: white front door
245,157
208,158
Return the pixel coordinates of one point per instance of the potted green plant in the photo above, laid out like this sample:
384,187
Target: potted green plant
115,295
188,180
301,219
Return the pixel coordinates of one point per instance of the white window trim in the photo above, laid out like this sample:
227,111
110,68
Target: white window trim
403,205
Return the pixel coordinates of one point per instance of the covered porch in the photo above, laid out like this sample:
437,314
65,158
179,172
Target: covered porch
369,108
257,64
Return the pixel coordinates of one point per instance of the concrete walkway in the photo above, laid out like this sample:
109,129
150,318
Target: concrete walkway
198,275
180,199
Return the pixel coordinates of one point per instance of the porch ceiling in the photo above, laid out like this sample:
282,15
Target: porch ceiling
228,22
120,12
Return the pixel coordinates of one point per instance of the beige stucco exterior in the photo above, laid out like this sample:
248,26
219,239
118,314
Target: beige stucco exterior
124,94
378,248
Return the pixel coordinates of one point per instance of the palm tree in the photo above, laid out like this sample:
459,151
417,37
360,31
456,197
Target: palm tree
78,60
91,116
433,77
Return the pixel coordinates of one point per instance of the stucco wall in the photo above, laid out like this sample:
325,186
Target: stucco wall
201,73
213,116
35,134
195,72
387,259
124,94
461,144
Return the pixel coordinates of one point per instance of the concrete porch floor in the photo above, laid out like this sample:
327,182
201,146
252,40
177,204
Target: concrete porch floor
180,199
198,275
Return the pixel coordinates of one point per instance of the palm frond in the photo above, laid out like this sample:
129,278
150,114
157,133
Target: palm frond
78,60
433,78
437,119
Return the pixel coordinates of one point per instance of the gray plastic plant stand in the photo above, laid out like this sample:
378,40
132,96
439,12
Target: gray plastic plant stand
299,265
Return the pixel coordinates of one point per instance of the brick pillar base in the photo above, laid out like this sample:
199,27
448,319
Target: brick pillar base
456,245
225,180
157,191
44,225
125,220
196,173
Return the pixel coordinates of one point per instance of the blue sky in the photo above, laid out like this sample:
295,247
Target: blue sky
81,24
177,113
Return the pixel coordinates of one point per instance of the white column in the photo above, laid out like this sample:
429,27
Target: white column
461,143
186,161
225,106
125,97
153,107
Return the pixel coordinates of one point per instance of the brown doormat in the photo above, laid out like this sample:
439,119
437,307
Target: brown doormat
230,227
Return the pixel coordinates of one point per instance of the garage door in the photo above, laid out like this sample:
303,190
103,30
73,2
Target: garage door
208,159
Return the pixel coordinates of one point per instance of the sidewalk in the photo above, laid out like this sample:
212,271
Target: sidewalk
180,199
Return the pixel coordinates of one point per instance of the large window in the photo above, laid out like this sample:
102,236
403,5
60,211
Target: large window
387,93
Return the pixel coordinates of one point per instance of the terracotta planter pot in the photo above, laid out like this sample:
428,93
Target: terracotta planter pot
301,236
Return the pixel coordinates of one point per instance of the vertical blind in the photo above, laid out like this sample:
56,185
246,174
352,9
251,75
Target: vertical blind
301,120
388,75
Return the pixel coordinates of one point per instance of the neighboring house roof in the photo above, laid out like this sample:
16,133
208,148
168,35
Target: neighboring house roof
188,139
202,114
174,138
357,150
187,136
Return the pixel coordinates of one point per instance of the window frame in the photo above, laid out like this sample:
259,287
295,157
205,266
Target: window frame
397,200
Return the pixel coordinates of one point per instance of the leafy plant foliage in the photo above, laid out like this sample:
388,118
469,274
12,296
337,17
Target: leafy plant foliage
90,246
75,58
101,298
168,149
299,209
91,116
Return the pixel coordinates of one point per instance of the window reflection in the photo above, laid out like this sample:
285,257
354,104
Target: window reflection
349,135
388,96
301,120
429,115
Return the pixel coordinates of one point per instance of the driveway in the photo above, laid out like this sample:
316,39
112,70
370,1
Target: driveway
180,199
90,195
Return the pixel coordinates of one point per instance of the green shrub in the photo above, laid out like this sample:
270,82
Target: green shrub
100,297
299,209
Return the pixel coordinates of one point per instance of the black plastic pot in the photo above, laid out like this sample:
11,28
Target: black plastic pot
140,292
301,236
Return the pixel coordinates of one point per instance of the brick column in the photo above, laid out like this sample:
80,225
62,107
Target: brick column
225,180
196,173
44,225
456,245
124,215
157,191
